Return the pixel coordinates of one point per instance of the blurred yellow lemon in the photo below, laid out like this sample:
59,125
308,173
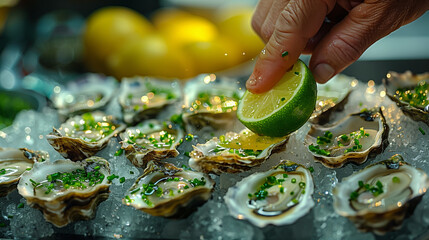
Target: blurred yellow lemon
212,56
236,24
164,16
107,29
150,56
184,29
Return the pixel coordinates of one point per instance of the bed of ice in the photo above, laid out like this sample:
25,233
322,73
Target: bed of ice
212,220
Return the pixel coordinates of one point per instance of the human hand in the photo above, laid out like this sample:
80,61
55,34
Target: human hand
335,32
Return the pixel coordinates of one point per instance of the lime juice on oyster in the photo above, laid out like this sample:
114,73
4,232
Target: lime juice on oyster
234,152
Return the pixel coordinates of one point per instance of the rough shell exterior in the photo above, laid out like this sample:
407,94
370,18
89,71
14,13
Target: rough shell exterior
95,88
69,205
141,156
331,97
380,222
237,197
394,80
215,114
15,162
372,117
204,159
177,207
75,148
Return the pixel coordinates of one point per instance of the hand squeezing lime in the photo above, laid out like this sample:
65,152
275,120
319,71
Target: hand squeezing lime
284,108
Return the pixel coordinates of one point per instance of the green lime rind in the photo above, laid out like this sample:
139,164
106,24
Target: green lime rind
292,115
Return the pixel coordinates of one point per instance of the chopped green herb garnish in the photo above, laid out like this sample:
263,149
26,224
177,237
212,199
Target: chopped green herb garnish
2,224
282,189
422,131
122,180
311,169
293,180
111,177
21,205
2,171
302,184
285,53
119,152
189,137
396,180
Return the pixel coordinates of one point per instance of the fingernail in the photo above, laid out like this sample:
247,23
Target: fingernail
323,72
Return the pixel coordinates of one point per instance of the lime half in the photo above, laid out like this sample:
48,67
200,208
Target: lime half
284,108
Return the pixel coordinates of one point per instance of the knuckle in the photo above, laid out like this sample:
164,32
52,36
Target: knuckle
346,48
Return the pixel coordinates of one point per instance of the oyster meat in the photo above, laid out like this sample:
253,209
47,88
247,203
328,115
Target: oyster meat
88,93
279,196
234,152
352,139
410,92
151,140
331,97
168,191
66,191
210,100
379,197
84,135
142,98
13,163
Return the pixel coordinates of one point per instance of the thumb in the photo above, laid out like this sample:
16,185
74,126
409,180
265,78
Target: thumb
347,40
296,24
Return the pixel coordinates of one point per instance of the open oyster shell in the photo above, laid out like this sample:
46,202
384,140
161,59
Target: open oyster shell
351,139
66,191
410,92
279,196
379,197
210,100
84,135
142,98
13,163
331,97
89,93
151,140
234,152
168,191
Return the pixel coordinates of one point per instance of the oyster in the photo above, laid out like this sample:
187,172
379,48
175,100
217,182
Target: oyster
142,98
234,152
279,196
84,135
151,140
66,191
380,196
13,163
331,97
168,191
410,92
351,139
88,93
212,101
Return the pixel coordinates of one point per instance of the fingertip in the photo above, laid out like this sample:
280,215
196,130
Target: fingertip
257,85
323,72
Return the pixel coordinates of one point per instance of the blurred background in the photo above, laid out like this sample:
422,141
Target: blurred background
44,44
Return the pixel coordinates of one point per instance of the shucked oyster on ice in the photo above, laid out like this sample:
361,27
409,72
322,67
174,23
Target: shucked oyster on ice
351,139
151,140
234,152
279,196
168,191
89,93
410,92
379,197
66,191
13,163
84,135
210,100
142,98
331,97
